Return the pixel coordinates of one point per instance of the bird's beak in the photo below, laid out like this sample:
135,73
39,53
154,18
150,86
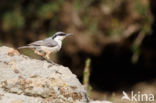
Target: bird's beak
68,34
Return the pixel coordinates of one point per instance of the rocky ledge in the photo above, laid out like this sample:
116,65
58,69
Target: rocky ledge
26,80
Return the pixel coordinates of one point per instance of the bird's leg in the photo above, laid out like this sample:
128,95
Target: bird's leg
47,56
39,53
50,61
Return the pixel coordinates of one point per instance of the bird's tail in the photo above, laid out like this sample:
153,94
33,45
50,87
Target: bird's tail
23,47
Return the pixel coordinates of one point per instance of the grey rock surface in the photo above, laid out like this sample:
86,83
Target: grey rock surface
26,80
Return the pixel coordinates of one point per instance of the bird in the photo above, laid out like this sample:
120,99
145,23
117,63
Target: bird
47,46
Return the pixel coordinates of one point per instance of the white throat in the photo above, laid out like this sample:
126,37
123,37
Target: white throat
58,41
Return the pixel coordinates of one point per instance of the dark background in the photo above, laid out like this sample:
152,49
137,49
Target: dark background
118,35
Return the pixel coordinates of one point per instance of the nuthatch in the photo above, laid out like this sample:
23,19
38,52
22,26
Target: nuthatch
47,46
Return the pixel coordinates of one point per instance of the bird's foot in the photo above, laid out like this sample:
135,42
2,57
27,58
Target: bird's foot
40,53
48,60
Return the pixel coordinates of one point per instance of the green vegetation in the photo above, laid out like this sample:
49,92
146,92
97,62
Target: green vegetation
29,15
12,20
86,76
147,20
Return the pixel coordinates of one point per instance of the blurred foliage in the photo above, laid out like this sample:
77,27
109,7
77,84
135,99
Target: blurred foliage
82,5
29,15
44,15
23,21
143,11
48,10
12,20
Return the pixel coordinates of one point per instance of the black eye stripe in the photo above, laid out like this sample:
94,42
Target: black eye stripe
62,34
55,35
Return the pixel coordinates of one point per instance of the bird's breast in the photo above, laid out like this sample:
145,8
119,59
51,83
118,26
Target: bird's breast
50,49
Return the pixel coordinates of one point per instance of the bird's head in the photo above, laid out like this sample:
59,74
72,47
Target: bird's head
60,35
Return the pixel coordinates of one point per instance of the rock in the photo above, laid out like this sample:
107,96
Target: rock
26,80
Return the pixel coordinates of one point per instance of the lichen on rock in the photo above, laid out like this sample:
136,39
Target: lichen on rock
26,80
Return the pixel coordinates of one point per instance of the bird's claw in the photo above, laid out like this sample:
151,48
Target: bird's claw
49,61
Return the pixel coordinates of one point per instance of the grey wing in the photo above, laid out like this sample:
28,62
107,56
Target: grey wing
46,42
